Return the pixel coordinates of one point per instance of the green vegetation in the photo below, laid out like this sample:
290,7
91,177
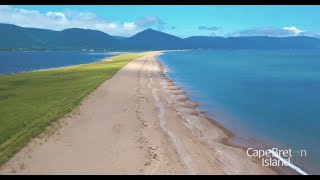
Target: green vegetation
29,102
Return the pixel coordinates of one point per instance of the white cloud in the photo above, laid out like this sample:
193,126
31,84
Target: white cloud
293,30
153,21
270,31
310,33
129,26
209,28
147,21
58,16
75,19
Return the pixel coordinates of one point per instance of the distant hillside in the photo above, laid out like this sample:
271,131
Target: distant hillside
152,39
207,42
18,38
15,37
252,42
119,37
82,39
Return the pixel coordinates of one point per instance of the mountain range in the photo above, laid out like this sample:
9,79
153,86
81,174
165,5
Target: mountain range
19,38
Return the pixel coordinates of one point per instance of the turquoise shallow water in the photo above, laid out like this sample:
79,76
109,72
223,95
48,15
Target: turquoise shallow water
267,98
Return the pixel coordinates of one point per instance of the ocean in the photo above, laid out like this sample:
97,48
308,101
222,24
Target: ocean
267,98
14,62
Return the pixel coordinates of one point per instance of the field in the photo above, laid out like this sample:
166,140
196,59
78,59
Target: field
29,102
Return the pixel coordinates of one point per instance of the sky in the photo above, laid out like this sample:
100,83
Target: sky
179,20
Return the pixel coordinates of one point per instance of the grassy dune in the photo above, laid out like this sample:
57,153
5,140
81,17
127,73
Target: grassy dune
29,102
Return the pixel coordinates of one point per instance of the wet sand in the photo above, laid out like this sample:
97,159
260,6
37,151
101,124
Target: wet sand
137,122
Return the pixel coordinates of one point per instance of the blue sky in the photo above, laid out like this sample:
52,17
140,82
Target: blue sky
183,21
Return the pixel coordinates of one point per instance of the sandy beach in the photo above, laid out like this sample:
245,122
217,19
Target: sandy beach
137,122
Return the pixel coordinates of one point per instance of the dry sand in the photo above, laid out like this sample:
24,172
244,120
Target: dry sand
137,122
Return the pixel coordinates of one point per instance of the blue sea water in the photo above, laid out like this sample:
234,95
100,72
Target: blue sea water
269,98
14,62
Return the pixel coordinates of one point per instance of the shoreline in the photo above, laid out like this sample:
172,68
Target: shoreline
229,134
212,121
152,129
281,170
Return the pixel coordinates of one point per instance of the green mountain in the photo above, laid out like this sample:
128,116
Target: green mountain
14,37
18,38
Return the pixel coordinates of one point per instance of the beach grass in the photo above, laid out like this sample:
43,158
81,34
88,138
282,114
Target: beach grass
29,102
